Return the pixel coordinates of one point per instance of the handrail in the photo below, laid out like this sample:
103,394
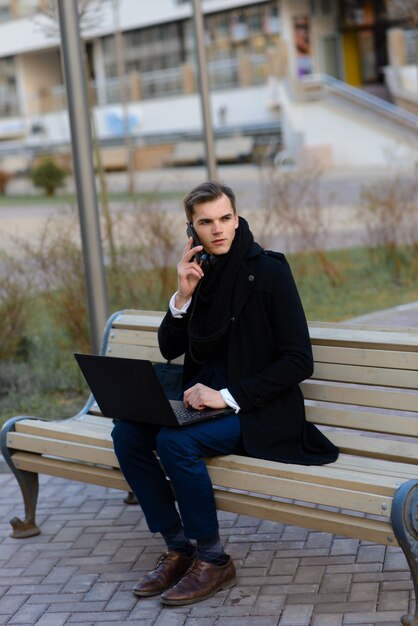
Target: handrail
331,85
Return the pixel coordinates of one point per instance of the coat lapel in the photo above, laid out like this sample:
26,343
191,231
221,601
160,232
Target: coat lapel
246,281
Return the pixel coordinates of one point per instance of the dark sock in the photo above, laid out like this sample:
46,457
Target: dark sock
210,549
176,540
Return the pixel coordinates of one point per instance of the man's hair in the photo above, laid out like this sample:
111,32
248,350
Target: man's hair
206,192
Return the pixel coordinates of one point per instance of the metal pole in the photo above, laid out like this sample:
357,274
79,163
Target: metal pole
83,168
204,90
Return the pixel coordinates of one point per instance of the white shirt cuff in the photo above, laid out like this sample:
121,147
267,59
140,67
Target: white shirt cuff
175,312
229,400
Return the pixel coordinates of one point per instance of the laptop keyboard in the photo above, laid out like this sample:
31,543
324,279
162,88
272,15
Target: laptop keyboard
188,415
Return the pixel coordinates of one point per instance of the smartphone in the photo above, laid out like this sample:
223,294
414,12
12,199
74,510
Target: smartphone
196,242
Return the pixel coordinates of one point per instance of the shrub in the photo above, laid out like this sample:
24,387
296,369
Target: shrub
4,179
48,175
14,306
388,210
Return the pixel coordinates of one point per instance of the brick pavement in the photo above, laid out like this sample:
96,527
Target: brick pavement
93,548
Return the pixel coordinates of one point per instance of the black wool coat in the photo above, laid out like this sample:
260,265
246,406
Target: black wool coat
269,354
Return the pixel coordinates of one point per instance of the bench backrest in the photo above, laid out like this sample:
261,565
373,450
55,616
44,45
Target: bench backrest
364,390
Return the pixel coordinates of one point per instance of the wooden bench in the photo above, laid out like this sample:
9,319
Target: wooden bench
363,392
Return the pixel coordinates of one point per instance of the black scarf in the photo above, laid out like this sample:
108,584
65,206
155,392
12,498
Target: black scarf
211,314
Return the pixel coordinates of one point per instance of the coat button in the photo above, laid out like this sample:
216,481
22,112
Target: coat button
259,402
251,277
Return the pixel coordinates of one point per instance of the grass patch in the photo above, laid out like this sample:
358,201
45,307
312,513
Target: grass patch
45,379
369,283
71,198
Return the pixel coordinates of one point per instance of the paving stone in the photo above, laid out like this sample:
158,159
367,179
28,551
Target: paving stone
319,598
327,620
335,583
245,621
41,566
306,574
200,621
39,588
371,554
296,615
364,592
101,591
268,606
319,540
10,604
56,619
122,600
393,600
76,607
345,607
82,618
394,560
283,566
80,583
28,614
168,618
364,618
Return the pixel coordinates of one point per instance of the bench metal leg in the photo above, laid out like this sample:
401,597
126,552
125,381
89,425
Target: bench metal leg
131,498
28,482
405,527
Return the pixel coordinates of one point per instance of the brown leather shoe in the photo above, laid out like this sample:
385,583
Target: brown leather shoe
201,581
169,568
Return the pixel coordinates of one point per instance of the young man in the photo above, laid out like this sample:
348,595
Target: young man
238,319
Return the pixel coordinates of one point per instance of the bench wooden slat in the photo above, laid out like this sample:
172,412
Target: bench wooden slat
133,337
146,321
331,475
379,448
400,471
65,449
139,352
321,333
380,376
360,356
307,517
91,474
390,339
363,327
70,430
357,395
308,492
361,420
328,521
128,351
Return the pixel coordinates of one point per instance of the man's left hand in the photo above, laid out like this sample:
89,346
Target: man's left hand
199,397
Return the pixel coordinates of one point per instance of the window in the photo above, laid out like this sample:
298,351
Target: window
8,93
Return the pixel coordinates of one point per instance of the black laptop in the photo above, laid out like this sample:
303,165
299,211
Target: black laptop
129,389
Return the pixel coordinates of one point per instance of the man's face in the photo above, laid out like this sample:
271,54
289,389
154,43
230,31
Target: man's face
215,224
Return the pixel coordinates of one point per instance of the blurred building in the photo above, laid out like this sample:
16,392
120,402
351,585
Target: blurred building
262,55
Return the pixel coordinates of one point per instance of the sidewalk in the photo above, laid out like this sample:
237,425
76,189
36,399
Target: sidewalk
93,548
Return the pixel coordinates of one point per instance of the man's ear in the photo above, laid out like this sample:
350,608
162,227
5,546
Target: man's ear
236,221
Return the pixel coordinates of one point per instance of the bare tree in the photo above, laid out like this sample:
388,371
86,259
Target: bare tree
293,208
90,12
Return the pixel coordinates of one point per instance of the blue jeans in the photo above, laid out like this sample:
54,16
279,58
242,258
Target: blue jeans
181,451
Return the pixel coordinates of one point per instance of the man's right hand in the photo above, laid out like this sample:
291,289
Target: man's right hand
189,274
